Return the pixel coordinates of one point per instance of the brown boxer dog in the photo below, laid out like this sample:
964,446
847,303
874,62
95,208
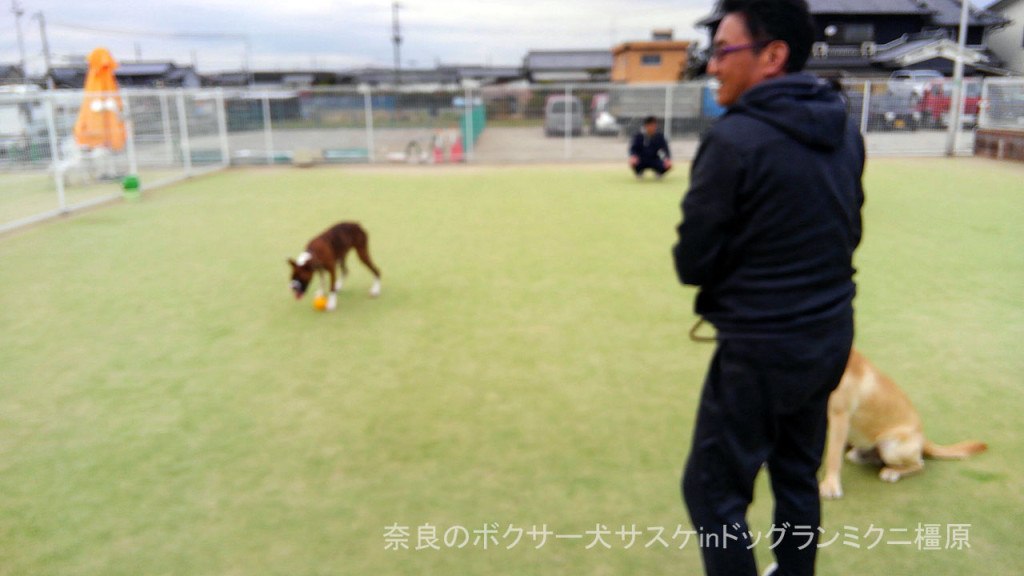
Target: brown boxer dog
327,252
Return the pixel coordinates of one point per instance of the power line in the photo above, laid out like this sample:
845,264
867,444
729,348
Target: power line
245,39
149,33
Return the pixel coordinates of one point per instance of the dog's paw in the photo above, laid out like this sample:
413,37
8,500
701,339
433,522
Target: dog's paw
889,475
854,455
830,489
332,301
375,289
864,456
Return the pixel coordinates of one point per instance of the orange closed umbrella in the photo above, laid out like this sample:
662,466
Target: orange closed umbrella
99,123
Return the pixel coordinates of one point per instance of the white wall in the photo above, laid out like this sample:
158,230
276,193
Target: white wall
1008,42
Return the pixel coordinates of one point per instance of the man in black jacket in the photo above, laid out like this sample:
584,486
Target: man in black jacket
770,224
649,150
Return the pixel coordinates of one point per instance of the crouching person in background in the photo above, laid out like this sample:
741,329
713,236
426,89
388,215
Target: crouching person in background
649,150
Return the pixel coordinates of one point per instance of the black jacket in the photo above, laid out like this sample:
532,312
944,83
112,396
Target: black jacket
772,216
648,148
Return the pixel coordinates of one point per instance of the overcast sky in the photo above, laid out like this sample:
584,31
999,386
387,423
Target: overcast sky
335,34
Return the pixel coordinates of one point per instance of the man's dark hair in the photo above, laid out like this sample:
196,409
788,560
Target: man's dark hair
650,120
786,20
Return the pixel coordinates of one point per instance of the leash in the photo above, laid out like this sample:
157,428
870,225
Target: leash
697,337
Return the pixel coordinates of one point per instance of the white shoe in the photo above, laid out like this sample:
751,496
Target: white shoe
771,569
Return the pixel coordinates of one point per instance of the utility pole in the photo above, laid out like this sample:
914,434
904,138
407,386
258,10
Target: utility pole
396,38
46,48
250,76
18,12
956,102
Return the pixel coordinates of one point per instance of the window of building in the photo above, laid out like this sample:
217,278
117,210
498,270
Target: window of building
650,60
856,33
847,33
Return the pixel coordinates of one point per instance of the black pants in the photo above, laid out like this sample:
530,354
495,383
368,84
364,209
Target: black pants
764,402
658,165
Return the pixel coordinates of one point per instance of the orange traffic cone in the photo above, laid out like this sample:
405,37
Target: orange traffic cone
457,155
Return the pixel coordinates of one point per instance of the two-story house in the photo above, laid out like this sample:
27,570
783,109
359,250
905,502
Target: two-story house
1008,42
660,59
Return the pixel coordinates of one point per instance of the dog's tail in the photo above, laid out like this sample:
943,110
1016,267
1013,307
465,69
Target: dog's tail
957,451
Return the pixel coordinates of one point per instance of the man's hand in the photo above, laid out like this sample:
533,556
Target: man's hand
668,163
633,161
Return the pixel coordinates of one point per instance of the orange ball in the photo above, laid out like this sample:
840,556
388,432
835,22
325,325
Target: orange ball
320,303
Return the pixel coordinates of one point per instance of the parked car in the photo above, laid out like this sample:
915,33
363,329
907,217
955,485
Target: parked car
911,83
602,123
893,112
936,100
555,111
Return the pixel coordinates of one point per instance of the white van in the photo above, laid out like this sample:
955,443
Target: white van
555,112
910,83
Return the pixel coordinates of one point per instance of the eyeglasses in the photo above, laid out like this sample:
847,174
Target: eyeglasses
719,52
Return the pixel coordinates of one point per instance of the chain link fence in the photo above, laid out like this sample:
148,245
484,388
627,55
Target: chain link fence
1002,104
175,134
913,120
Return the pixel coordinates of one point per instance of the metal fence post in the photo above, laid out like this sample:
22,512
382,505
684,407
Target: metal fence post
956,100
955,106
568,122
268,131
469,125
368,110
165,117
865,108
129,125
55,156
668,111
222,128
983,104
186,148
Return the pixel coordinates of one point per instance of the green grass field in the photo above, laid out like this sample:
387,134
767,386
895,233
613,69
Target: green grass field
168,408
28,194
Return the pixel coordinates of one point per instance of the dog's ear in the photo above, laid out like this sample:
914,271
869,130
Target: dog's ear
293,263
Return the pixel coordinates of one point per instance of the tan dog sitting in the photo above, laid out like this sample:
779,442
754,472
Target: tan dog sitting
867,410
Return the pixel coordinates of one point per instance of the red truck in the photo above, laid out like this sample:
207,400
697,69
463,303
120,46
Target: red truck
935,101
